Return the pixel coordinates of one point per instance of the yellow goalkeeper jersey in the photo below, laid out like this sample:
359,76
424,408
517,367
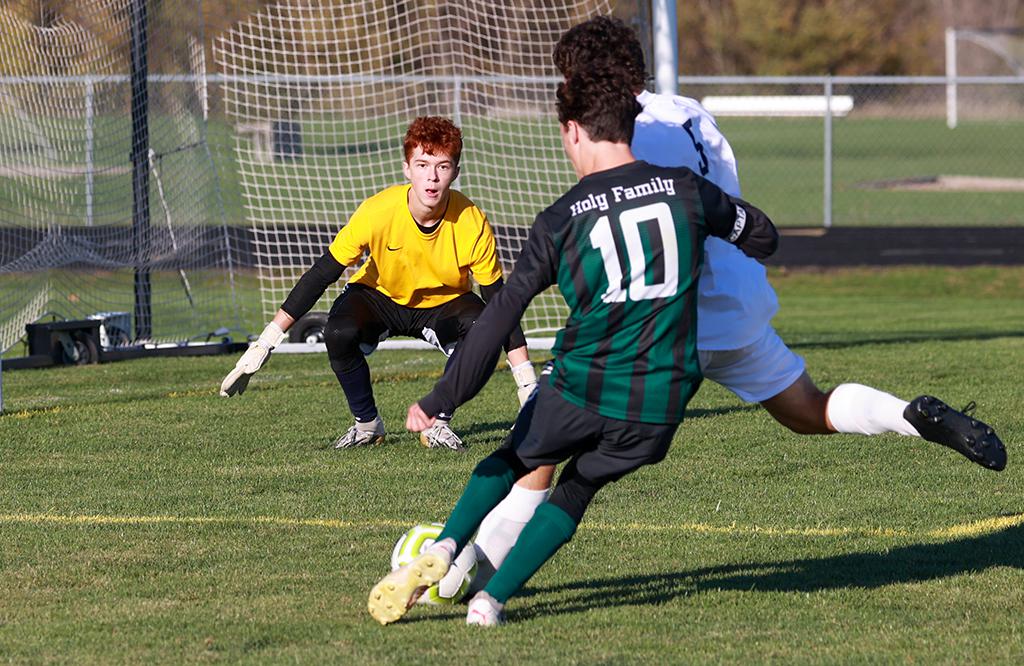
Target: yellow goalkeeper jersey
412,268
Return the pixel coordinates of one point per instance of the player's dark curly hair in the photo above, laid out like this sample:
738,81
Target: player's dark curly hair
602,39
434,135
598,97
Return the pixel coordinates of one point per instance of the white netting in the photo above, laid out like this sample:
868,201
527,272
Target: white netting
68,245
983,52
321,94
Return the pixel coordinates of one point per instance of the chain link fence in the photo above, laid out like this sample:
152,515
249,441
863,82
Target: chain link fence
885,155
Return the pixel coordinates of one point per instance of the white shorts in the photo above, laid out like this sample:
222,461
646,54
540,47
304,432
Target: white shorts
756,372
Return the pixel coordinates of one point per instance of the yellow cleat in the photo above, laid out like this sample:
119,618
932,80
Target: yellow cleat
398,591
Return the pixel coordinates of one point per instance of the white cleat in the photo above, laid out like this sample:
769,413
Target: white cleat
362,437
441,436
398,591
485,611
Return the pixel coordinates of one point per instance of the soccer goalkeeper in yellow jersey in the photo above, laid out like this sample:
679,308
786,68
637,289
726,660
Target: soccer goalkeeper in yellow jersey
424,241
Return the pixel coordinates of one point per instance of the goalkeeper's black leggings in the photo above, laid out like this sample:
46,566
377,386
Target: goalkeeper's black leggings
362,317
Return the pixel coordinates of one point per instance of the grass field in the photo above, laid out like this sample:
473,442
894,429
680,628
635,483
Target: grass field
145,519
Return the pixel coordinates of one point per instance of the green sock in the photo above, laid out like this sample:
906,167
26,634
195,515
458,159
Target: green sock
548,530
491,481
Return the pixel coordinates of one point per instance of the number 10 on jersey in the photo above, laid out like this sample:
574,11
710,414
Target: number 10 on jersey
602,238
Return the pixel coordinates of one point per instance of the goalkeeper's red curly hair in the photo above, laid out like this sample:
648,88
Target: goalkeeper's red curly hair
434,135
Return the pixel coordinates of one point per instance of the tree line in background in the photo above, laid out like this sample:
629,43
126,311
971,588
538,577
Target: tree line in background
716,37
838,37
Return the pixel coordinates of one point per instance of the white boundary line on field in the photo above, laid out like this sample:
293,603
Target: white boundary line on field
537,344
963,530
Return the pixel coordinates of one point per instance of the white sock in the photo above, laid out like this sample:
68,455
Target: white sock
445,545
862,410
502,526
370,426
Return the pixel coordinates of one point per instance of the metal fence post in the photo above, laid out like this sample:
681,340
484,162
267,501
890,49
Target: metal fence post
666,54
140,171
90,176
951,78
457,101
457,118
828,153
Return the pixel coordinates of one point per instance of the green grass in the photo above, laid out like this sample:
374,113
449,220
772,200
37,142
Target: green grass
143,518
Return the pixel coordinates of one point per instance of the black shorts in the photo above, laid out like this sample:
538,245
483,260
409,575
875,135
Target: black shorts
377,317
550,429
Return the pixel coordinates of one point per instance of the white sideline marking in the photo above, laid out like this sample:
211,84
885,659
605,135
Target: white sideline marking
539,344
963,530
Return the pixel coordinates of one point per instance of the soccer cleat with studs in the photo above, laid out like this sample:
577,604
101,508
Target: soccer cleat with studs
441,436
938,422
398,591
355,437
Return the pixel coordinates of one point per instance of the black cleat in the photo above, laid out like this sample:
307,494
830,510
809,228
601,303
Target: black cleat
938,422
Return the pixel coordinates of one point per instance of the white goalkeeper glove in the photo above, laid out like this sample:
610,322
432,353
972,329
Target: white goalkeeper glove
254,358
526,381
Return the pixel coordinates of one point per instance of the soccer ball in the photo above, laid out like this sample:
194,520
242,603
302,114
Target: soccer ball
455,584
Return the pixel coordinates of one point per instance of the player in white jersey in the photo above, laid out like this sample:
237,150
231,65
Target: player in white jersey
736,301
738,346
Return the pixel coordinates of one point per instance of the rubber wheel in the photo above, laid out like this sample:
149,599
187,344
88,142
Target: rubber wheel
309,328
87,350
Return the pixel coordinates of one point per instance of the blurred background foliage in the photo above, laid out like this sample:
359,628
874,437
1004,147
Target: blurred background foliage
838,37
716,37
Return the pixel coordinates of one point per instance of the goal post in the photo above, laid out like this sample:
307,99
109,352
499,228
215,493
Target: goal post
1007,44
139,46
666,46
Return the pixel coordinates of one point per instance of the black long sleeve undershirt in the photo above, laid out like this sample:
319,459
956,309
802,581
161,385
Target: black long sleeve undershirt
324,272
752,232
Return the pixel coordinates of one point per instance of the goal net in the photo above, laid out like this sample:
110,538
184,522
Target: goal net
110,202
979,53
320,95
991,51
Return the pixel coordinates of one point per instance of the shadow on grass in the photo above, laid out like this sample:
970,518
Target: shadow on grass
482,435
720,411
938,336
500,429
868,570
479,431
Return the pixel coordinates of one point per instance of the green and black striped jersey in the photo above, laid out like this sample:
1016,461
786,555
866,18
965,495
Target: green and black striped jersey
625,248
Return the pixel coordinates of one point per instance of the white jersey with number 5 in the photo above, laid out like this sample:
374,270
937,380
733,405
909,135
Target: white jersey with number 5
735,301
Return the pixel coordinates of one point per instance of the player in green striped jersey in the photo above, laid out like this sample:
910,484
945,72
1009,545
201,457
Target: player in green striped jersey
625,247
